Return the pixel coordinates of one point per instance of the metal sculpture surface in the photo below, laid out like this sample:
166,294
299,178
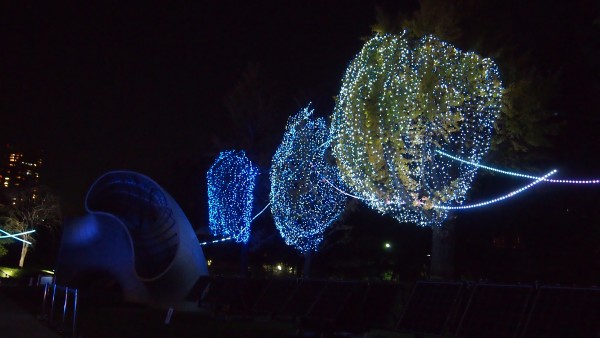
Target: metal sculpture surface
147,243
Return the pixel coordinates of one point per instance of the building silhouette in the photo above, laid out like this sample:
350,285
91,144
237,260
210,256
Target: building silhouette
19,171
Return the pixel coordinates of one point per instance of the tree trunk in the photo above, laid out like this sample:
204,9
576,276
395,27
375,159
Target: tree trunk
24,249
244,260
306,268
443,247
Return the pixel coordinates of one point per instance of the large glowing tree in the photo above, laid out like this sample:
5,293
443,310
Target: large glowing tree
304,201
401,101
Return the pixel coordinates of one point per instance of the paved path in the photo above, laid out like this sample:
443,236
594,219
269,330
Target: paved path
15,322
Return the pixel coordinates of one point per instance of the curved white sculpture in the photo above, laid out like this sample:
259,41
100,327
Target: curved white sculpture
162,259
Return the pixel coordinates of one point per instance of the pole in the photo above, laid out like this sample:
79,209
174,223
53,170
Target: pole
52,304
65,307
74,312
44,300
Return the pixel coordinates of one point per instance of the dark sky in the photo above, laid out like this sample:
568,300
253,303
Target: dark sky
141,87
103,87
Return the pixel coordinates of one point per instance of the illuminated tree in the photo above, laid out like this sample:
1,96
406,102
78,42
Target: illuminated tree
254,112
401,101
527,120
231,181
304,200
30,209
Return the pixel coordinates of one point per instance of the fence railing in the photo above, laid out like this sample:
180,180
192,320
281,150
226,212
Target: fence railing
432,308
59,308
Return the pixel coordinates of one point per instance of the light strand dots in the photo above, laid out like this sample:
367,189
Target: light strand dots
302,204
512,173
14,236
495,200
226,238
260,212
324,179
217,241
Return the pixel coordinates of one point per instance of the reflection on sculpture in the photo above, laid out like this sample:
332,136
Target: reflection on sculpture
137,234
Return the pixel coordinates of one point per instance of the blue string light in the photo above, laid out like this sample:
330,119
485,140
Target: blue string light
400,101
340,190
260,212
216,241
498,199
14,236
303,204
227,238
512,173
481,204
231,181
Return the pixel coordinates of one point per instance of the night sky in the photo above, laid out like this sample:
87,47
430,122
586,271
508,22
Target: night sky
104,87
141,87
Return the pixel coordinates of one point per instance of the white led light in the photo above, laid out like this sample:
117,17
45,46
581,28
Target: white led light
15,236
303,204
260,212
512,173
400,101
217,241
18,234
495,200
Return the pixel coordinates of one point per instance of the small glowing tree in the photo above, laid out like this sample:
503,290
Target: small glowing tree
304,201
231,181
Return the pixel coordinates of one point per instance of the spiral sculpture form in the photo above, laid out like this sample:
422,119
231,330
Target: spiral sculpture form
136,233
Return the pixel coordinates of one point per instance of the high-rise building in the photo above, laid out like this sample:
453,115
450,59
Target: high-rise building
18,170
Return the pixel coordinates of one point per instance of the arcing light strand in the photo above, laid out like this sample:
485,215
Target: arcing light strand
14,236
260,212
216,241
539,179
229,238
512,173
336,188
18,234
495,200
